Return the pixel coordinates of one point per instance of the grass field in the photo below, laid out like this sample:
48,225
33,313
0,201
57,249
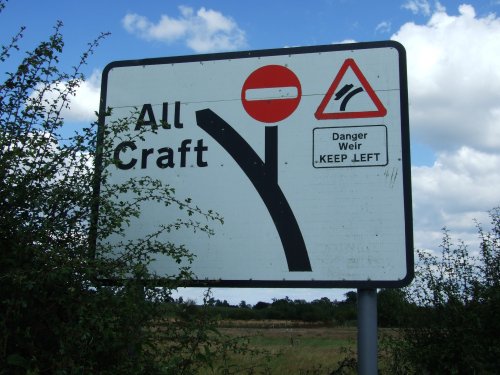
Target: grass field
293,348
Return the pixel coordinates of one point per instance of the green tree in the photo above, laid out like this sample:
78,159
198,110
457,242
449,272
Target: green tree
347,310
454,327
393,308
56,317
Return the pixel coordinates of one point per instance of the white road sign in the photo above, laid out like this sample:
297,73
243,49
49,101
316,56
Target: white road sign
303,151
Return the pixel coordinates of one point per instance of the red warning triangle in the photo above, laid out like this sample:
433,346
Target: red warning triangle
345,93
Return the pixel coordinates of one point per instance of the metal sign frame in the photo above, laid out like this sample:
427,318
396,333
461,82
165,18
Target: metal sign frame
246,158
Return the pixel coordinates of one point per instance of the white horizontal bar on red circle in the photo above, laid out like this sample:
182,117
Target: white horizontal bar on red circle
266,93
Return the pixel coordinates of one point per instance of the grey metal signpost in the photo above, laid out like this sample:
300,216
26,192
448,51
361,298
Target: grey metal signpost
367,332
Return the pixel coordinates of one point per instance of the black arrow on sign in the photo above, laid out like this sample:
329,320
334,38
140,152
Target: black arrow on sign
264,178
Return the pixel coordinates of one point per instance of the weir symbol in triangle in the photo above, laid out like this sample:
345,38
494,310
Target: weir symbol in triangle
345,93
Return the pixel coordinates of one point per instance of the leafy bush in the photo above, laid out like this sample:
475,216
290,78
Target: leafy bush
56,317
454,327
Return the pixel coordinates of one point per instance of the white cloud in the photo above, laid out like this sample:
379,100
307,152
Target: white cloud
82,104
345,41
418,6
454,79
167,29
205,30
458,188
86,100
454,92
383,27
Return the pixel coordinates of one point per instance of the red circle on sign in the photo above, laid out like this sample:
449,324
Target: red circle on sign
271,93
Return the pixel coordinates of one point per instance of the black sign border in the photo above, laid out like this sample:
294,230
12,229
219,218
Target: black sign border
406,162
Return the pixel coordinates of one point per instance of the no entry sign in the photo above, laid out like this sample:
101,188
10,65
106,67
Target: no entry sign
303,151
271,93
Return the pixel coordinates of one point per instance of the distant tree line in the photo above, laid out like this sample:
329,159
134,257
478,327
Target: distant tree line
391,305
321,310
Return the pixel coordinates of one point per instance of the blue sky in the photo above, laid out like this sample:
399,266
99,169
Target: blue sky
453,51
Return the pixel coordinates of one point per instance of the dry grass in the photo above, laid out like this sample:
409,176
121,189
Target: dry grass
294,348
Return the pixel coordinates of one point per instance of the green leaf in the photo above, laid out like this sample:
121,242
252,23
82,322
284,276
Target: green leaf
18,360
